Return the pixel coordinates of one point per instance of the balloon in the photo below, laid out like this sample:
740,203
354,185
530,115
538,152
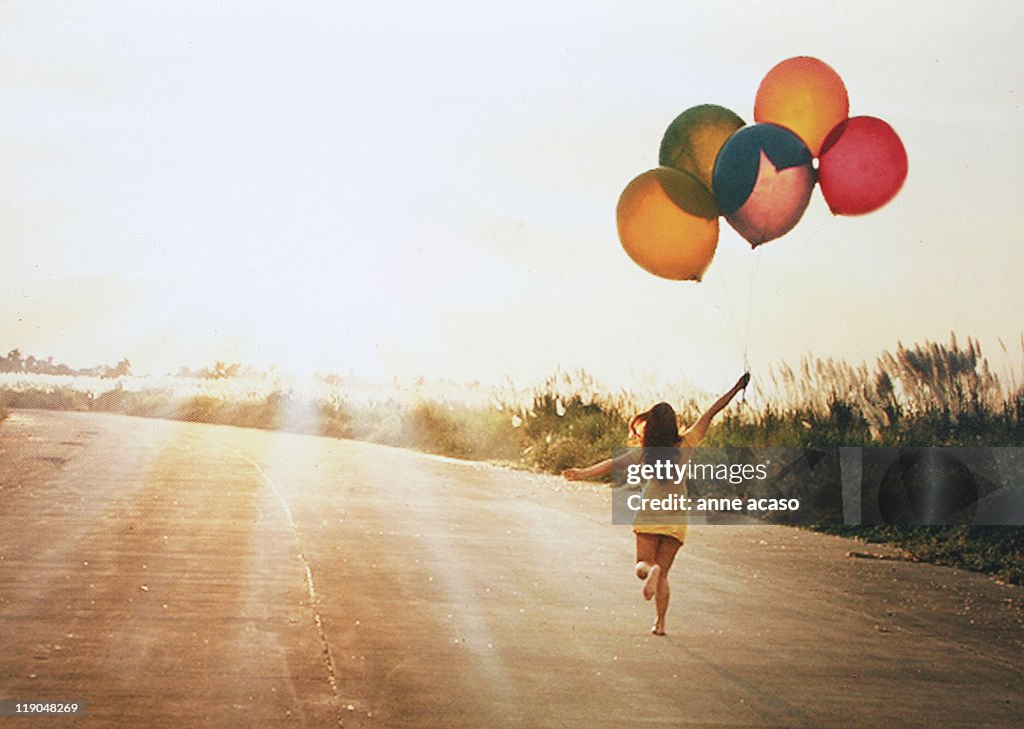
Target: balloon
863,165
804,95
672,241
693,139
763,181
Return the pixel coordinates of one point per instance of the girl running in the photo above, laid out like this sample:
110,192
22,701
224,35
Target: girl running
659,535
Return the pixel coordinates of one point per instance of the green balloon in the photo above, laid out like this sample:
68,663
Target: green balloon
693,139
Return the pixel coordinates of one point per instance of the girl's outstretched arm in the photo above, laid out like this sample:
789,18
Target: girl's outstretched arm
603,468
695,434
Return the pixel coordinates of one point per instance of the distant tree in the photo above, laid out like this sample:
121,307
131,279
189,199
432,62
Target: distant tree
12,362
332,379
221,371
122,369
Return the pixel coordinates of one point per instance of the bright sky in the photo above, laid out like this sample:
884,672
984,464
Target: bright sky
430,188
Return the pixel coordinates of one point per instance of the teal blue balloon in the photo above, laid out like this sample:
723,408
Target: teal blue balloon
762,181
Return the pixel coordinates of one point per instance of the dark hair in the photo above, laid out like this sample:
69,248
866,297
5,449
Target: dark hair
660,430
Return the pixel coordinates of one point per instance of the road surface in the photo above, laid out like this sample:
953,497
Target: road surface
172,575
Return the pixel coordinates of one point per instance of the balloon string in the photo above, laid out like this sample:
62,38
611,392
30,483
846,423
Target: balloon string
728,314
733,328
731,325
799,246
750,310
746,368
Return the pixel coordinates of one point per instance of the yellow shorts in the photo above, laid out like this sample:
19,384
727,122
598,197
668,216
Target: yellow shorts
677,531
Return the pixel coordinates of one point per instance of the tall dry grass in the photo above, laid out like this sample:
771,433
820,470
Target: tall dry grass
924,394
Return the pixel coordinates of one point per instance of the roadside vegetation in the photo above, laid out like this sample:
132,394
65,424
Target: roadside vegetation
922,395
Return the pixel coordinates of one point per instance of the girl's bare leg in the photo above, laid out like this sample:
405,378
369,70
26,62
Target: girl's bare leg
646,552
664,556
651,585
661,596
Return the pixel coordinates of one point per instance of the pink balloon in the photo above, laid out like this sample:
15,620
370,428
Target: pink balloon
776,204
862,166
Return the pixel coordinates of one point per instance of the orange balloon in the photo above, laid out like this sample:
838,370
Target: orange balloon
660,235
804,95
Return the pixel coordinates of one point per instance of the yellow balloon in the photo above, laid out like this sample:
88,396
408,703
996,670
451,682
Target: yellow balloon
659,235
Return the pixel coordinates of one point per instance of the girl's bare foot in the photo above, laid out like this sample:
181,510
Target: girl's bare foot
651,585
642,568
658,629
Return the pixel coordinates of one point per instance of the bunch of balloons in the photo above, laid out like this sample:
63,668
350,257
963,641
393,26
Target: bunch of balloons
760,177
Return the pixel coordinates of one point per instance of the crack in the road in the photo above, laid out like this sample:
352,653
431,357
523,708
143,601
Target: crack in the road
332,675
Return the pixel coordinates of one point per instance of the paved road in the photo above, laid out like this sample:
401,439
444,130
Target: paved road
173,574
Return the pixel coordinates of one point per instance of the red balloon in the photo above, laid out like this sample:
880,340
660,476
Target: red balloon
862,166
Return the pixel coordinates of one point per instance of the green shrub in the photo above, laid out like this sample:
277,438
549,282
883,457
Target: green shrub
561,433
